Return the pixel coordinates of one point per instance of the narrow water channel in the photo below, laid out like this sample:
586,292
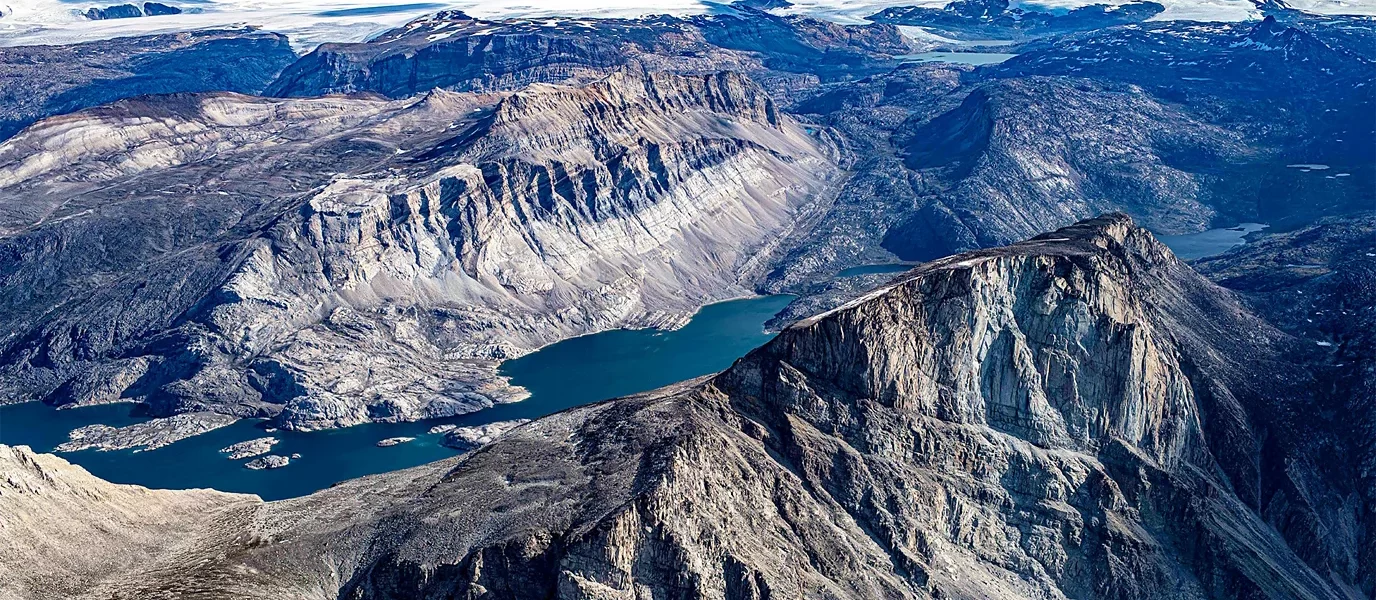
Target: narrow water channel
573,372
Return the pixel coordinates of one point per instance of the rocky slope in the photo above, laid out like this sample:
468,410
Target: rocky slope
332,261
1319,282
39,81
451,50
62,530
1182,125
1078,415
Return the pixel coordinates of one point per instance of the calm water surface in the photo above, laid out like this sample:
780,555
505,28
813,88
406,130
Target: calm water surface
1208,243
570,373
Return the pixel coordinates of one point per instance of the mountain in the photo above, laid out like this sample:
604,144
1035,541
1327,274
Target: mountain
1077,415
996,20
333,261
1010,160
454,51
1319,283
39,81
1185,126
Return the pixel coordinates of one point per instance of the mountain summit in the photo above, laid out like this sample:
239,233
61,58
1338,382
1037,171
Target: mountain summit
1076,415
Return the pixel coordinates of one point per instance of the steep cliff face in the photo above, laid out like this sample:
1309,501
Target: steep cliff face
53,80
1078,415
397,248
1140,434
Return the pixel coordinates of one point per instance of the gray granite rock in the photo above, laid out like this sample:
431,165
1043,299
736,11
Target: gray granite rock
393,441
147,435
249,448
271,461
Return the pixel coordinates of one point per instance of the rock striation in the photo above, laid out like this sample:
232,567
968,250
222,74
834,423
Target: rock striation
1077,415
395,250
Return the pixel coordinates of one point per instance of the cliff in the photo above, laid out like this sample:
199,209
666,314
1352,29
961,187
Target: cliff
1077,415
332,261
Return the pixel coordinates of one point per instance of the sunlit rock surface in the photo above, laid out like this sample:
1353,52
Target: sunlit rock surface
333,261
1077,415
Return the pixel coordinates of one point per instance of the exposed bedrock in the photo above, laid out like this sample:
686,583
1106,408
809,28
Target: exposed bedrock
397,253
1078,415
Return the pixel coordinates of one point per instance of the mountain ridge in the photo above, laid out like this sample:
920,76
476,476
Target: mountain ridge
1051,419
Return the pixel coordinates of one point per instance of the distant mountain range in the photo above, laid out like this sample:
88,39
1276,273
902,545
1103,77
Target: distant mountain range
1048,405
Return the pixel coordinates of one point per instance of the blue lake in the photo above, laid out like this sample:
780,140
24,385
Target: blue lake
1209,243
573,372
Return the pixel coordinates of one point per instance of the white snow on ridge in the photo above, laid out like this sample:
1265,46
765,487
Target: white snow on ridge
311,22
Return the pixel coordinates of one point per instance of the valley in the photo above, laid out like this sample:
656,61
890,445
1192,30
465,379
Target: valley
971,299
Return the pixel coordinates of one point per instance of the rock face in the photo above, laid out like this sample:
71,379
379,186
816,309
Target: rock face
946,158
84,530
1319,283
1078,415
333,261
393,441
1008,162
452,50
53,80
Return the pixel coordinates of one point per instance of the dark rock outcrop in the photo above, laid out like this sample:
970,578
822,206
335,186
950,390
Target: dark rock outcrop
154,9
41,81
118,11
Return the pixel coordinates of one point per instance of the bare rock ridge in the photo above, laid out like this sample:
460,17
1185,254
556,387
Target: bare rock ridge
454,51
1077,415
52,80
415,241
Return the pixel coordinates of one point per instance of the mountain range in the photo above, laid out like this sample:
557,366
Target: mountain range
1049,403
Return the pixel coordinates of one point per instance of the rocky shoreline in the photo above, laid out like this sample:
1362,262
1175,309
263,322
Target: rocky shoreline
249,448
149,435
466,439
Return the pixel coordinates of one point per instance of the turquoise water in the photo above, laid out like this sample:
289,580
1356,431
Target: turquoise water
570,373
1209,243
